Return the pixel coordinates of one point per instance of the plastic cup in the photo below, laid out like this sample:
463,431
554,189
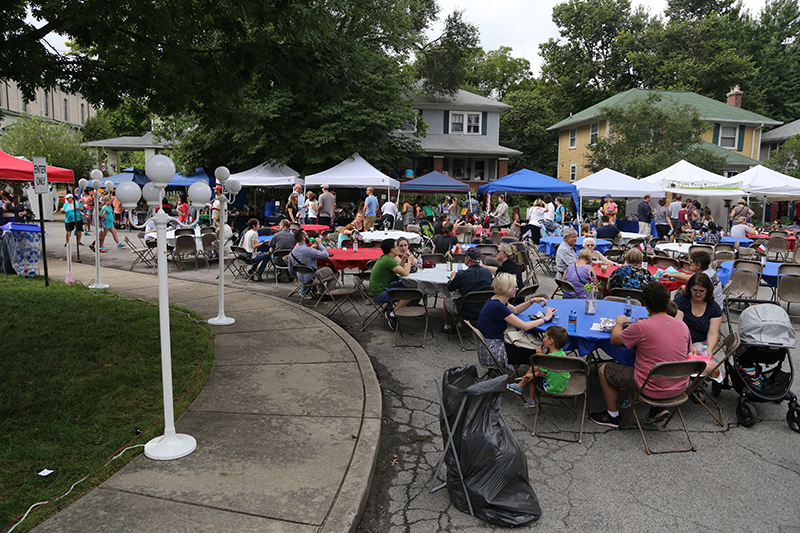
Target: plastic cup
604,267
555,319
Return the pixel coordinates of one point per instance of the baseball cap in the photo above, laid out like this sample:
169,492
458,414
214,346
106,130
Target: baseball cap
474,253
325,186
218,188
68,196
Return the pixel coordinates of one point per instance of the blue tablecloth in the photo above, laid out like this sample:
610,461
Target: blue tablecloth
585,340
548,245
743,241
769,275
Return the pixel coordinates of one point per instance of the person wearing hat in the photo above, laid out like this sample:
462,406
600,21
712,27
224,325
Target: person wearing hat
609,208
72,218
741,210
216,206
474,278
326,206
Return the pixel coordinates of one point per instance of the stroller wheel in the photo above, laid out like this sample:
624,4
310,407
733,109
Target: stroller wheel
716,388
793,418
746,413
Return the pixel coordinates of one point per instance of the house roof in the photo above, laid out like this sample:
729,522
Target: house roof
127,143
462,99
732,157
784,133
710,109
463,144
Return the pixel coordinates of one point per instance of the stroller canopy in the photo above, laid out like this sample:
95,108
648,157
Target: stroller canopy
766,325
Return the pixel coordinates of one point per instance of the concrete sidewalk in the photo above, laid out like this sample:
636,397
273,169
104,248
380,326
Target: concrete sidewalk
287,427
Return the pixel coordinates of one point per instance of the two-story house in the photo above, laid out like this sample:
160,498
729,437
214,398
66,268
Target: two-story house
463,137
54,104
773,139
735,133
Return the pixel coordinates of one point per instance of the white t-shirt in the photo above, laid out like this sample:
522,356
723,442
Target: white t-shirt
247,242
739,230
550,212
674,209
536,216
389,208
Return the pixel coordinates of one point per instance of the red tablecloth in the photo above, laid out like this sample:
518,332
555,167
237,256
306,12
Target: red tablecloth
346,258
503,232
791,238
319,228
670,284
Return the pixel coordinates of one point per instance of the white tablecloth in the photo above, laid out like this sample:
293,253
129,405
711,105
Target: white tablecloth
372,236
678,249
198,240
627,236
430,280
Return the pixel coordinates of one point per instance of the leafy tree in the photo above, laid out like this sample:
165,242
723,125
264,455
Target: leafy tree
787,159
32,136
651,134
699,9
98,127
524,128
587,60
130,117
493,73
442,63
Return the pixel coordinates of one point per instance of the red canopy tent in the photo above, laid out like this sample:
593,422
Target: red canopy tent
12,168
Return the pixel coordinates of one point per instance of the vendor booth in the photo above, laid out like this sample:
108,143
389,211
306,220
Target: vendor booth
618,185
435,182
268,175
352,172
529,182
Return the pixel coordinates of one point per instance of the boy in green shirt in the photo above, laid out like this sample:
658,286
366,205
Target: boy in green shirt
555,338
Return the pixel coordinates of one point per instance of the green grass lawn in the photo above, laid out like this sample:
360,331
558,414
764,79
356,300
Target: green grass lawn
80,373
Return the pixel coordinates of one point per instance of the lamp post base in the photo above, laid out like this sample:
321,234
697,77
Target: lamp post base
169,447
221,320
98,286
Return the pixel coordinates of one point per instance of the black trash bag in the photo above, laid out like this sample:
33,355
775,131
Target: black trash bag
495,468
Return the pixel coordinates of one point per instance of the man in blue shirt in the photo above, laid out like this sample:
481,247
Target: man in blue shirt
370,209
474,278
607,230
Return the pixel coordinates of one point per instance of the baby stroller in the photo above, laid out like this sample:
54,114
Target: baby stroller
760,370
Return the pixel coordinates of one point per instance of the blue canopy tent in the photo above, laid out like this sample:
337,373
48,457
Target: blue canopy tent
133,174
529,182
435,182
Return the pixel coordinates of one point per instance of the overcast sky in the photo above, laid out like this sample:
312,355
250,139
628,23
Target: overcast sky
523,24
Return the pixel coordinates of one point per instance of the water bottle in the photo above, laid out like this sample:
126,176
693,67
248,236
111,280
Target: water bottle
628,309
573,322
355,246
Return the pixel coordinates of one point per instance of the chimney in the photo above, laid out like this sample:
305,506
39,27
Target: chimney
735,97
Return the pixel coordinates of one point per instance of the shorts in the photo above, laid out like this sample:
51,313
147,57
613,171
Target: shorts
71,226
452,305
620,376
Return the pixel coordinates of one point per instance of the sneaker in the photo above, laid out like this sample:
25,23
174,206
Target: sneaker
91,247
120,245
308,295
656,414
81,244
513,387
103,250
626,403
605,419
391,320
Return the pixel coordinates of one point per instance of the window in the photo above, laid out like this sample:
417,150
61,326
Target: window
594,132
66,106
458,169
83,121
573,138
46,104
409,125
24,105
731,173
473,125
480,170
727,136
573,173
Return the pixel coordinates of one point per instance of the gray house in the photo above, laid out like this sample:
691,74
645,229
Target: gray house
463,137
773,139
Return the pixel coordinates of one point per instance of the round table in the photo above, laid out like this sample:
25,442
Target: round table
378,236
677,249
198,239
431,280
343,258
670,284
627,236
503,232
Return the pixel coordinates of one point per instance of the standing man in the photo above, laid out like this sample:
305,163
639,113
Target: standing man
370,209
390,213
657,339
326,206
645,213
674,209
302,208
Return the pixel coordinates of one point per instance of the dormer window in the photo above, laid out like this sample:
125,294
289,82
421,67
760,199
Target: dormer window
469,123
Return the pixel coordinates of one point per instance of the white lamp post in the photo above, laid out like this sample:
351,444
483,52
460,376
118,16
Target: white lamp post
160,169
231,188
96,176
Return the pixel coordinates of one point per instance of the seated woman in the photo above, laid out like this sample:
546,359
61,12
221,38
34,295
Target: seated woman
446,241
586,230
742,228
345,233
497,314
358,222
579,274
631,275
590,244
703,316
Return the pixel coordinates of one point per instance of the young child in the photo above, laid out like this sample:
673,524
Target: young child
555,338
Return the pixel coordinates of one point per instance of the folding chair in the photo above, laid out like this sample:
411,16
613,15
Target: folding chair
778,246
208,229
490,368
614,255
564,287
410,311
729,345
622,300
668,370
332,288
361,281
537,259
523,293
210,245
243,260
436,258
465,234
185,245
788,284
487,248
701,248
278,257
474,297
143,254
577,385
313,283
665,262
184,231
635,294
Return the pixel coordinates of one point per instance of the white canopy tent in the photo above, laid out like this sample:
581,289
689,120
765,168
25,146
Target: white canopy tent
696,183
768,183
268,175
617,184
352,172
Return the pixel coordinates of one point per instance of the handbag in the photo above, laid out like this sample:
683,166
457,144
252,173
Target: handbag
521,339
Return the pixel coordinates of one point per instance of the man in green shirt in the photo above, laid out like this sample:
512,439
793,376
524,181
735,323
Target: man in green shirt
384,276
